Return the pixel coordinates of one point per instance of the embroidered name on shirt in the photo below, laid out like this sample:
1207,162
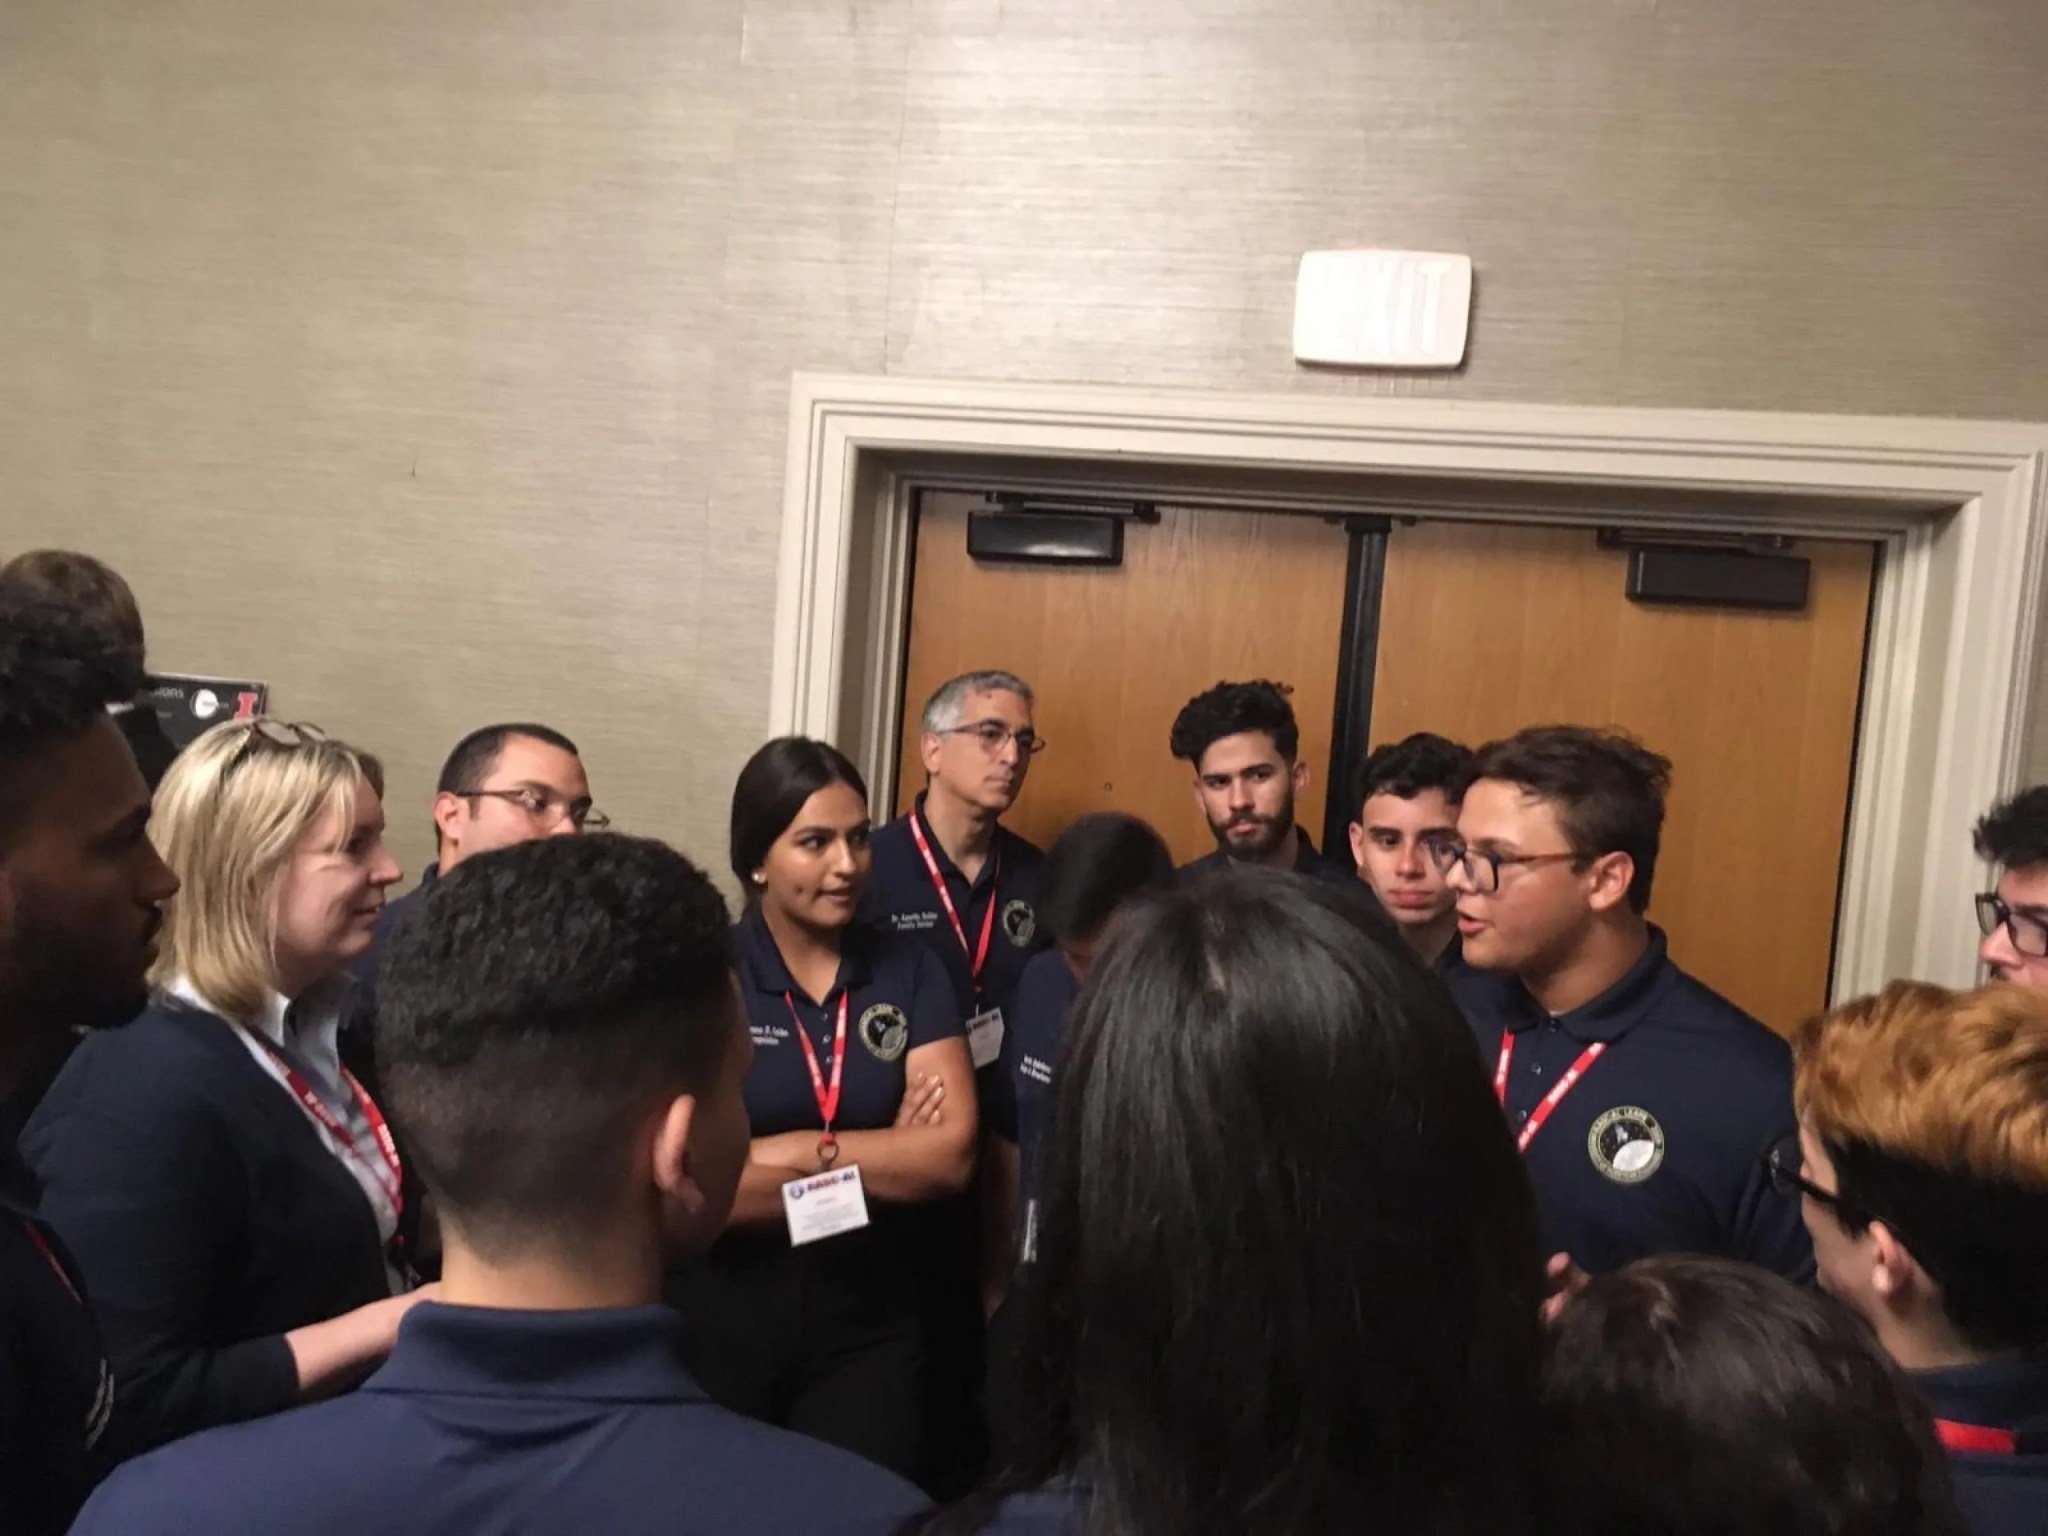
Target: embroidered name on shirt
1038,1071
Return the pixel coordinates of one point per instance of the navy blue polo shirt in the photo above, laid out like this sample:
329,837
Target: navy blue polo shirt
902,898
2001,1495
1659,1147
56,1393
1307,861
899,998
494,1420
1031,1045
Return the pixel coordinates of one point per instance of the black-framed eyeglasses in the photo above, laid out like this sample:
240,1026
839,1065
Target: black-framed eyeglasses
2029,933
1784,1162
1482,866
994,735
546,807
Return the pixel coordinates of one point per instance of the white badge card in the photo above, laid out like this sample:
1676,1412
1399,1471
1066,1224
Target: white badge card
825,1205
985,1037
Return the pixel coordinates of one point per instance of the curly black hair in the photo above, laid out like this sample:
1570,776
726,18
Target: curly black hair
58,674
1231,709
532,1005
2014,834
1407,767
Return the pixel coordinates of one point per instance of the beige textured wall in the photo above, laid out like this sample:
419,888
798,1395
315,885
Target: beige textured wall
430,360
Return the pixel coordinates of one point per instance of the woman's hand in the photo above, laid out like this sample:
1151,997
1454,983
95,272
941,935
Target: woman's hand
924,1101
334,1355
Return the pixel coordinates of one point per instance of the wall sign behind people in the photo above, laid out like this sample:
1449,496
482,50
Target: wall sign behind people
190,706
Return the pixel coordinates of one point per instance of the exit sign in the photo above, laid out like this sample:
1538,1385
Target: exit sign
1383,309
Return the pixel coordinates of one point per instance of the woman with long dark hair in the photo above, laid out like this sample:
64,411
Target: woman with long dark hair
860,1069
1288,1266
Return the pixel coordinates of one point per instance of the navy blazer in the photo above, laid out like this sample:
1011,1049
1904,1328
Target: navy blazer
208,1215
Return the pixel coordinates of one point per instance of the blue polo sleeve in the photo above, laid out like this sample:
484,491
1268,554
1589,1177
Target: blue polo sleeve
934,1006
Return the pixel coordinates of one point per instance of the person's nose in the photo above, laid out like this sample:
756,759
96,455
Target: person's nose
1998,951
1410,861
159,881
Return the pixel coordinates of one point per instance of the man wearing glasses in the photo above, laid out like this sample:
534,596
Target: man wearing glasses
2015,916
951,874
1922,1156
1640,1099
503,784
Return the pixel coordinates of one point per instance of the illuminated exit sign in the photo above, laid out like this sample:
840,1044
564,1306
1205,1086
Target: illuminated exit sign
1383,309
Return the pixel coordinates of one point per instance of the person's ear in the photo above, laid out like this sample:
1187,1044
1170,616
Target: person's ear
450,811
671,1162
928,748
1895,1274
1358,845
1607,881
1300,776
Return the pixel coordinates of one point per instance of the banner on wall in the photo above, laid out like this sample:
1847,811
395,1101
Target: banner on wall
188,705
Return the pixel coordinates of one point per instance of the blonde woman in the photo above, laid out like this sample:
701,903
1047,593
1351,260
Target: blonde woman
230,1192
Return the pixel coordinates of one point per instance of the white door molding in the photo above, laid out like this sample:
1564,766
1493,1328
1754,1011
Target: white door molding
1959,506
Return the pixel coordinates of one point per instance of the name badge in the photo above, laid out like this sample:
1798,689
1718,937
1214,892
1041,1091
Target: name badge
824,1205
985,1037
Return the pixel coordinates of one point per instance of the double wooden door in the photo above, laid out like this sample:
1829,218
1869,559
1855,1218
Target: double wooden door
1481,629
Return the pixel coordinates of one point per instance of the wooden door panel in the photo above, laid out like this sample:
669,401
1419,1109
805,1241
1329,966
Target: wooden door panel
1485,629
1114,653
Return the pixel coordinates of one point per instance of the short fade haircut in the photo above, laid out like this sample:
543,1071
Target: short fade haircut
1233,709
1693,1397
1933,1107
2014,835
1414,765
1607,788
478,753
57,676
91,588
942,711
533,1006
1100,862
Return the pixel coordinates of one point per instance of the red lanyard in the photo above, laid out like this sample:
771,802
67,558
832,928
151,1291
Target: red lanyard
1551,1099
828,1098
1981,1438
50,1256
392,1181
978,956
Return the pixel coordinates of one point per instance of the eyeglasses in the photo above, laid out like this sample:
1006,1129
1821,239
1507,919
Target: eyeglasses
994,735
2029,934
1783,1161
546,807
1482,866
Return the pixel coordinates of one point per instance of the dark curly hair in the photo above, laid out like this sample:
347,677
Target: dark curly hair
532,1006
58,674
1231,709
2015,832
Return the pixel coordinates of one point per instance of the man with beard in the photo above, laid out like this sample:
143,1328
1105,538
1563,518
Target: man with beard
80,895
1242,741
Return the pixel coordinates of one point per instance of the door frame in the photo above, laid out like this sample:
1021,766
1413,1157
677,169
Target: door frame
1960,508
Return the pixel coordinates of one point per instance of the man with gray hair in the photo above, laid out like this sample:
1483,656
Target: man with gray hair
952,875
